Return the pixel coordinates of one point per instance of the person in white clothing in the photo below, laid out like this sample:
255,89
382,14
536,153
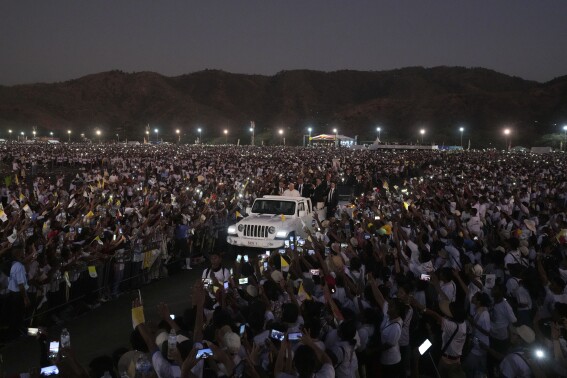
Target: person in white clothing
501,317
305,361
475,363
216,275
291,191
390,332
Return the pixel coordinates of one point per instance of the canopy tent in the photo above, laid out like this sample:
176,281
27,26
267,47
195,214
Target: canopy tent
331,138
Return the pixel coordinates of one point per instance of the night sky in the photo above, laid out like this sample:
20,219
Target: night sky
47,41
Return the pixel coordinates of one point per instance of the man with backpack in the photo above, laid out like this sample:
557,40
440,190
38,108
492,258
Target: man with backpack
215,275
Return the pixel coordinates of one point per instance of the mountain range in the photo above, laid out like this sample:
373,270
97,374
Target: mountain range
401,102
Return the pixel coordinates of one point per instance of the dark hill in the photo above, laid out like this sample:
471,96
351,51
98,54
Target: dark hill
401,101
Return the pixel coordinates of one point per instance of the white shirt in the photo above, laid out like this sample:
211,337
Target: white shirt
455,348
514,366
482,320
512,285
390,334
524,298
291,193
450,290
501,316
347,362
222,275
17,277
513,257
163,368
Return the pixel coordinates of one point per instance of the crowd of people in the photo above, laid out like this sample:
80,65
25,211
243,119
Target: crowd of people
446,264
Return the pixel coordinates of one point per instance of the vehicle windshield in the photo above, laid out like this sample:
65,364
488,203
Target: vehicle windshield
274,207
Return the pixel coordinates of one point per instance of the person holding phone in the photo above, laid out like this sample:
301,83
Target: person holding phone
216,272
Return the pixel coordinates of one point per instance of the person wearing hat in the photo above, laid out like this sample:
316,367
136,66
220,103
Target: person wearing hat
453,335
518,360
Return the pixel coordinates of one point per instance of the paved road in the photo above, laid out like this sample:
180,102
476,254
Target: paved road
104,329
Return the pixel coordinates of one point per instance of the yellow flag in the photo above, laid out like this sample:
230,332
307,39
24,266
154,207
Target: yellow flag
285,265
385,185
301,293
238,215
97,238
22,197
117,202
138,316
17,180
282,217
90,214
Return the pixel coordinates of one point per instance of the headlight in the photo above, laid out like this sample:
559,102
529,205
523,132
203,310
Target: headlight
231,229
240,227
272,230
281,234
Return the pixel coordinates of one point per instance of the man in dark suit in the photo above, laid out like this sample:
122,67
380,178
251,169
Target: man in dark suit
303,187
279,189
332,200
318,195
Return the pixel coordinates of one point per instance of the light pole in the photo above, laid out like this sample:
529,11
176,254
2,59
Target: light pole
82,136
379,130
310,130
69,133
157,135
51,134
178,136
33,132
282,135
23,136
98,133
225,136
564,137
10,133
117,138
199,131
336,137
148,136
422,132
461,130
506,136
253,130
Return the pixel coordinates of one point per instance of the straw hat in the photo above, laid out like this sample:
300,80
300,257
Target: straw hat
530,224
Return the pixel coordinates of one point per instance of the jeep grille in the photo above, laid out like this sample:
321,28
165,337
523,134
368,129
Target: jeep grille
255,231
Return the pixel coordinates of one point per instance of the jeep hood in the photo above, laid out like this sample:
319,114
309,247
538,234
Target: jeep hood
264,220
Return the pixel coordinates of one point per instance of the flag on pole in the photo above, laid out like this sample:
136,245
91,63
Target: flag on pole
282,217
285,265
302,294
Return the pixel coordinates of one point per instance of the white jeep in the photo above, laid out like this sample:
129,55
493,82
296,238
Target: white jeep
272,220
